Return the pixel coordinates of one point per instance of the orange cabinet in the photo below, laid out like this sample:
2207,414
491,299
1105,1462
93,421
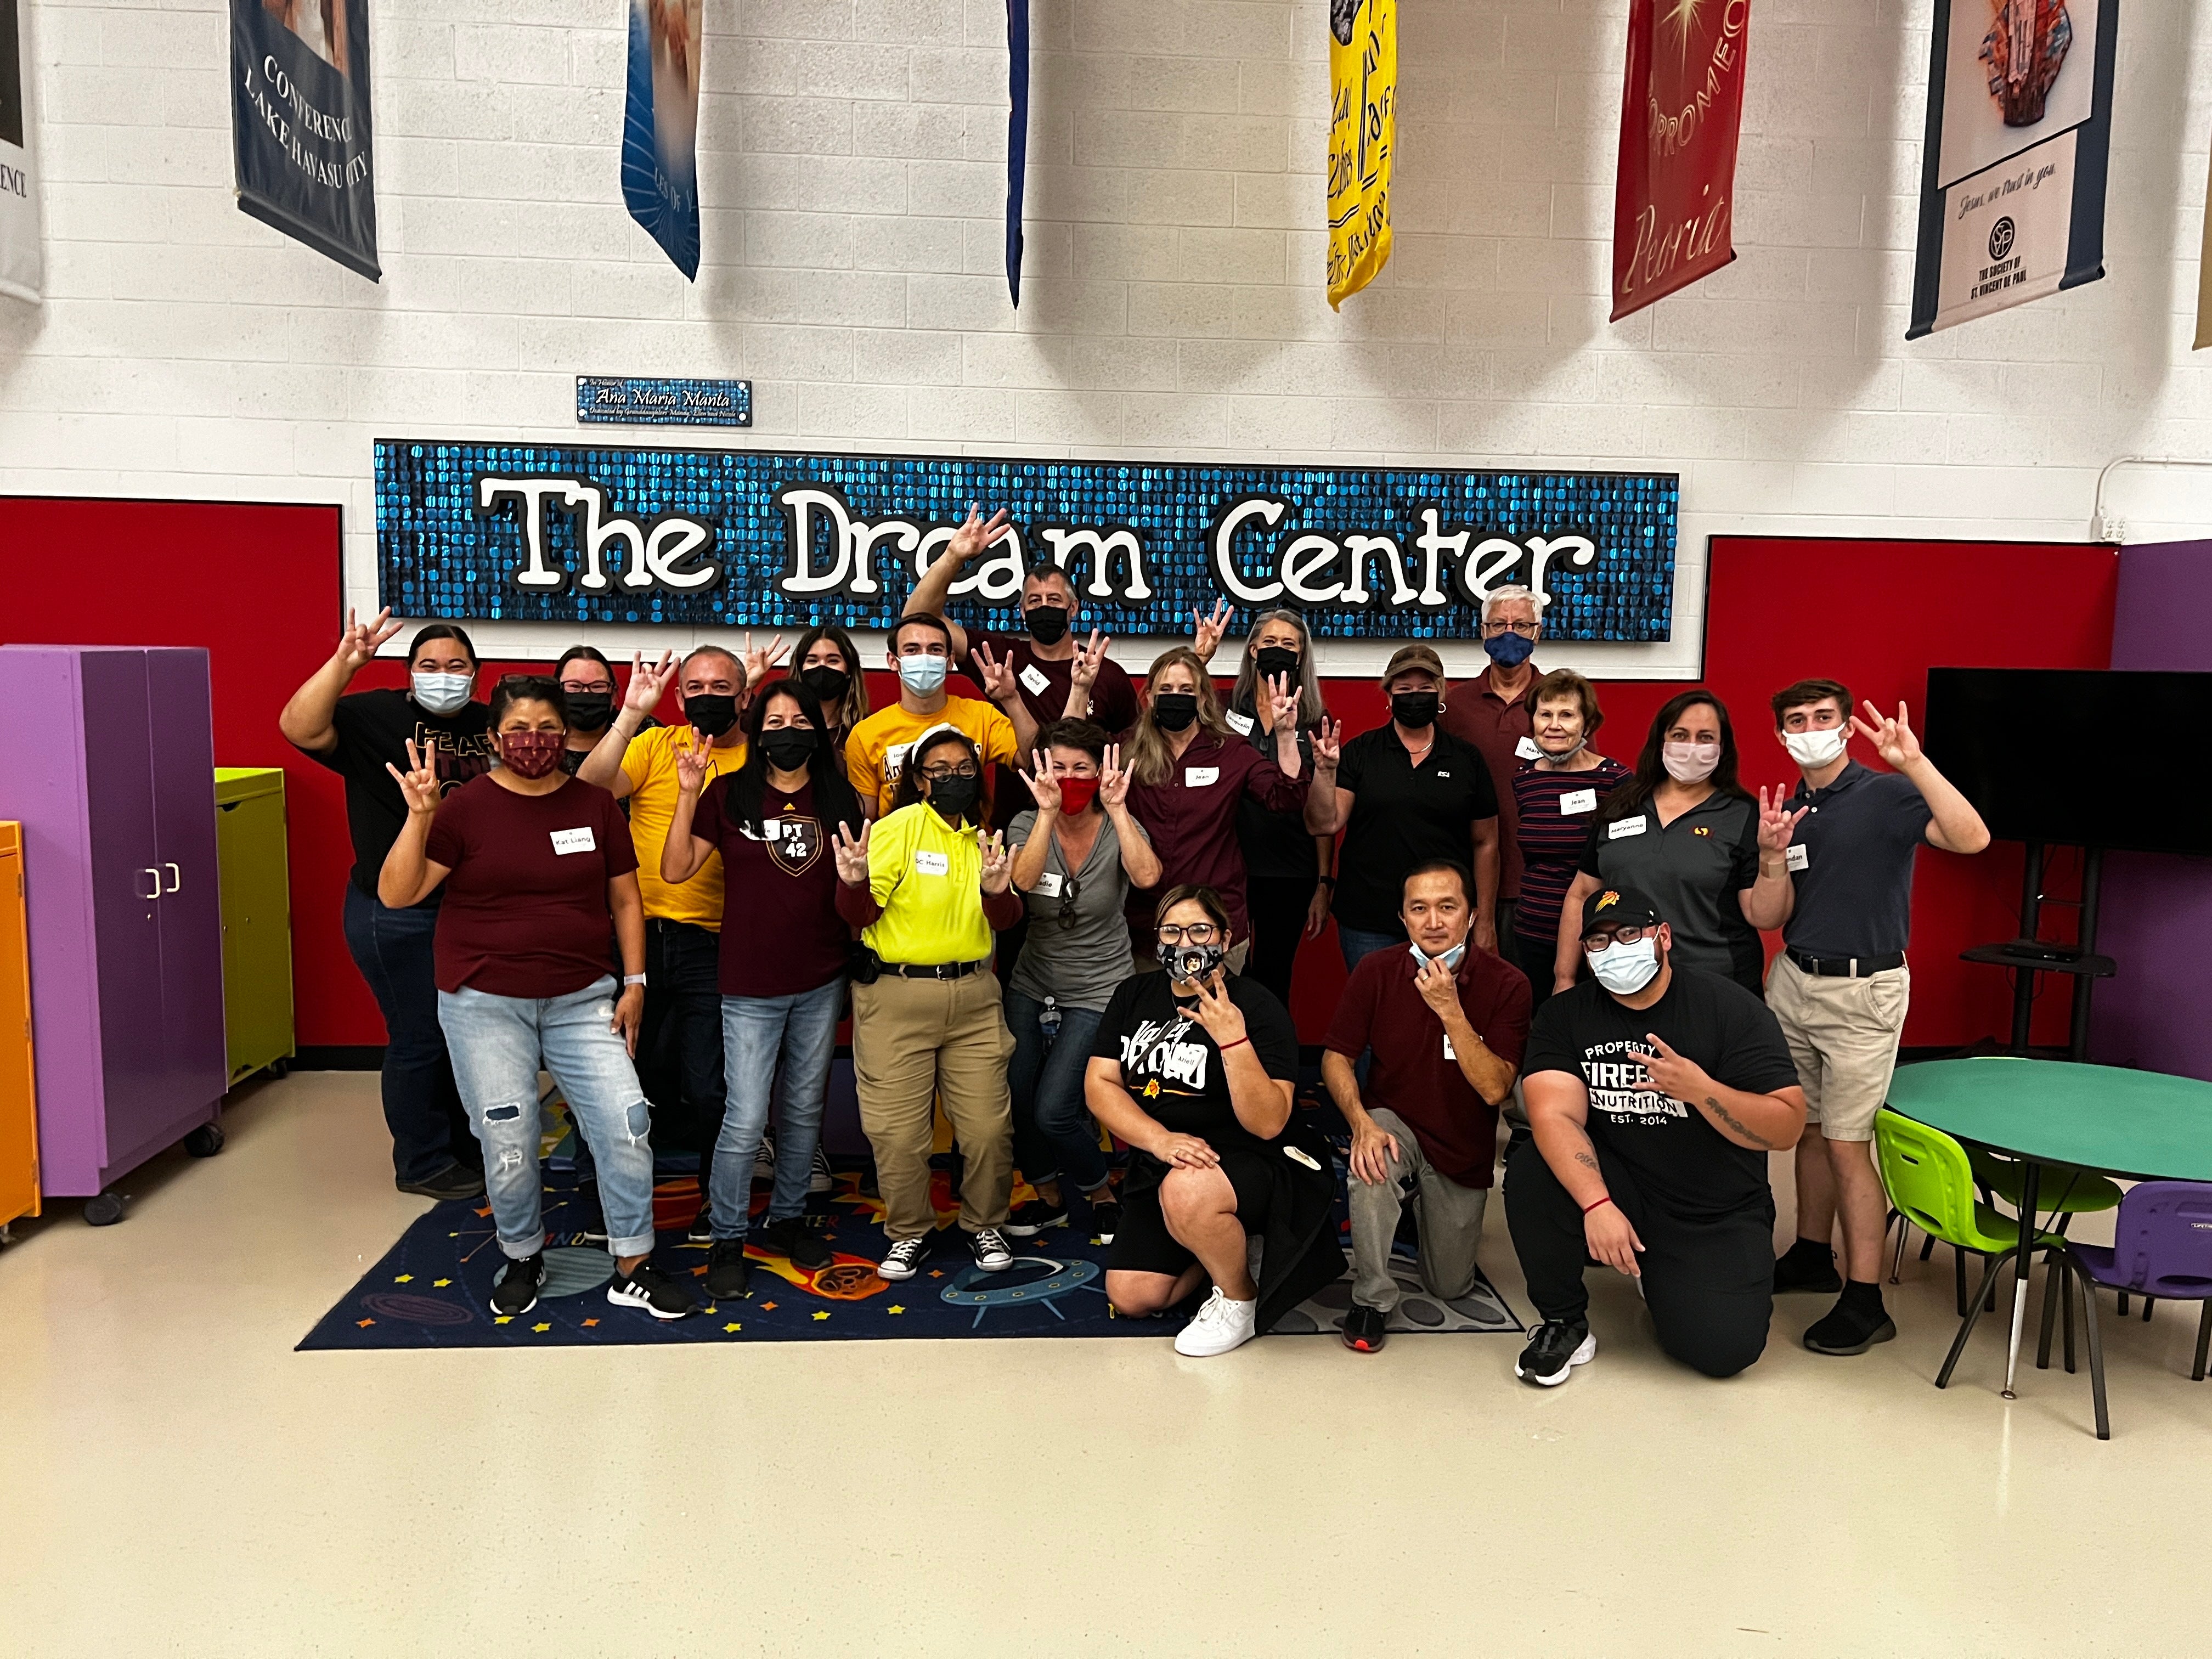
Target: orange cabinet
19,1102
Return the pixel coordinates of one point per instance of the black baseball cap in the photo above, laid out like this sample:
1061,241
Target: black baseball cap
1618,907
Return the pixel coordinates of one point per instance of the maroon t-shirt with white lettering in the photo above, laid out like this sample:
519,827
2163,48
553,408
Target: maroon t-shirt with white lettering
781,934
525,911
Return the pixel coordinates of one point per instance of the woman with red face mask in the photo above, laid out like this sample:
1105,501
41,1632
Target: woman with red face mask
537,867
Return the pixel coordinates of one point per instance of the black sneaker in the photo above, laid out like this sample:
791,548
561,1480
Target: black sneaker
1363,1329
702,1225
991,1255
1105,1219
904,1258
797,1243
1848,1330
515,1291
728,1273
455,1181
647,1287
1034,1217
1555,1351
1808,1265
821,1178
591,1219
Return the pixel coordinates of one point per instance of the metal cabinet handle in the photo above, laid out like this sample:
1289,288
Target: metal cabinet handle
175,879
156,875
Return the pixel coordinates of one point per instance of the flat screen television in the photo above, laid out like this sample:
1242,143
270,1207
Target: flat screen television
2081,756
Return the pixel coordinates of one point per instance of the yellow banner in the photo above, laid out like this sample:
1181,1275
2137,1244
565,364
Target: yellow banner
1363,126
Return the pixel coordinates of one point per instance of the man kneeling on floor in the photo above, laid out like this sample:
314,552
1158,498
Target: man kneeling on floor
1446,1021
1656,1093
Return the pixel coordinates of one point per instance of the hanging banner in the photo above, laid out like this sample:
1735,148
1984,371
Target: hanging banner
1017,138
1674,195
660,128
21,265
1362,129
2012,182
299,122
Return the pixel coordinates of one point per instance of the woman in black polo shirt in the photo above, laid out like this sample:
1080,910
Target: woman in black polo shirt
1686,832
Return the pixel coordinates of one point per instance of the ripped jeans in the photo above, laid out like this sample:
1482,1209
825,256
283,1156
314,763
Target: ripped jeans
497,1044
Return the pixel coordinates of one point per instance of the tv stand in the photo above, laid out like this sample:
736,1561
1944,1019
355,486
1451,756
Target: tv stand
2029,956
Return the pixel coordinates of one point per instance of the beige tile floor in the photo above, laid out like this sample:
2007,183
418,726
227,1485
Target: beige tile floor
175,1479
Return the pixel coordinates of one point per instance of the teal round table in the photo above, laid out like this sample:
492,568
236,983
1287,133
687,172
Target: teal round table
2137,1125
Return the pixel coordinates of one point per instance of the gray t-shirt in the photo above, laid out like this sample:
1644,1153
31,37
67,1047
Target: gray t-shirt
1079,963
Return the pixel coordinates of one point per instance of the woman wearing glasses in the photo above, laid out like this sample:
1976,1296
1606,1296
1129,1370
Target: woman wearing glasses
1075,859
1197,1068
928,885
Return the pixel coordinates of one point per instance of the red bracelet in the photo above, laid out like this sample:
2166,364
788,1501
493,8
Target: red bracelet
1608,1199
1226,1047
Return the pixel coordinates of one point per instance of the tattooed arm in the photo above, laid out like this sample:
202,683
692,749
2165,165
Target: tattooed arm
1558,1113
1765,1124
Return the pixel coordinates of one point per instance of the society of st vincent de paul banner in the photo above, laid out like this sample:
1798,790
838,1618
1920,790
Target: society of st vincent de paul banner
1680,114
2012,184
1363,130
298,117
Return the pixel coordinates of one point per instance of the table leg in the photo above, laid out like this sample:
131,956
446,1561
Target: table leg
2022,1265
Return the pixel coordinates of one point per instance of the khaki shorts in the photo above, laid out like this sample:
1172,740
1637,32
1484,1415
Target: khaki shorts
1842,1035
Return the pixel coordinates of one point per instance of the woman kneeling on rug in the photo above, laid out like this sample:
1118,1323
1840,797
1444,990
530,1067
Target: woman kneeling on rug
537,869
1196,1069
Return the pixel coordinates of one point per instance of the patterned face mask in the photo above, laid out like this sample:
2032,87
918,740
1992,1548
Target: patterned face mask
531,754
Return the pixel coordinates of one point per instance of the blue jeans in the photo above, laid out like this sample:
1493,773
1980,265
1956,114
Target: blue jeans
1355,942
801,1032
1053,1134
392,948
497,1045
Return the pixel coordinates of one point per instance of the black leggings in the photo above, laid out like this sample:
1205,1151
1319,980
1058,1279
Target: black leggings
1710,1285
1278,906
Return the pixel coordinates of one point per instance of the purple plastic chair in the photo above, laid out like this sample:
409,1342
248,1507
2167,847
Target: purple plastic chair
2162,1247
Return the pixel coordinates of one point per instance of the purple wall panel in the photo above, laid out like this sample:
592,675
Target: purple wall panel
2156,1013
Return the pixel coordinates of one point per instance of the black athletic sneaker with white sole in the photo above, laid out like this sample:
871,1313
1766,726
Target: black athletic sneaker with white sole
1556,1349
1034,1217
904,1258
991,1255
703,1225
516,1290
1105,1219
821,1178
644,1286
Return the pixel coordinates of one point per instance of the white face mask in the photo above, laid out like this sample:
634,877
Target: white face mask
1625,969
1815,748
442,694
1451,958
924,676
1690,763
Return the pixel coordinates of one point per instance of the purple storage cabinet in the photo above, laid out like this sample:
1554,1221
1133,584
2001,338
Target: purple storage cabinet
110,766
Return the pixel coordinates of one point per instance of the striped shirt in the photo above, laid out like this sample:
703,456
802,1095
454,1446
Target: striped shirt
1555,810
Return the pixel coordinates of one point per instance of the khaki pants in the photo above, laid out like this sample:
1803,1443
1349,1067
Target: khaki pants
1450,1217
919,1040
1842,1035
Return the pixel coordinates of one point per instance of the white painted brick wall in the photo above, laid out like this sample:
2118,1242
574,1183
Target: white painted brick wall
850,162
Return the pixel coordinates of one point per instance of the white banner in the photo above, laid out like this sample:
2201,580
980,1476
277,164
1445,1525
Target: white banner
21,269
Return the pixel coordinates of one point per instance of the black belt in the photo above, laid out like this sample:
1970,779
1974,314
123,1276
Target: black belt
935,969
1846,967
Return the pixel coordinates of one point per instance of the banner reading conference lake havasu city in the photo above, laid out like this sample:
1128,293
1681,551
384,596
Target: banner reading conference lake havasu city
660,127
1363,130
1674,201
299,122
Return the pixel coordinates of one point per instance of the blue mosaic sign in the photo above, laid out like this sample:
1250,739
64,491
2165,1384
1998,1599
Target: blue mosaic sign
698,538
601,401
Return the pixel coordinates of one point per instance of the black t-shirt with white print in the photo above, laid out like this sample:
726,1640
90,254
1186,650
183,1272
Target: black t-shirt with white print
1681,1163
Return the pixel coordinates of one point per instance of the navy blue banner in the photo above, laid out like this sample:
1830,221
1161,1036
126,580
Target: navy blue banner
699,538
298,124
1018,137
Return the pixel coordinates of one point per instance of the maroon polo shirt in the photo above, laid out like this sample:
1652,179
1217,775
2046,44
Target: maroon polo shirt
1496,727
1382,1009
1191,817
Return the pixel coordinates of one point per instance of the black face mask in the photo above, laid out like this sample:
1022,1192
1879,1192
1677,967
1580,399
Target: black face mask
589,711
712,712
1276,662
1174,710
788,747
829,685
1413,709
1048,623
955,798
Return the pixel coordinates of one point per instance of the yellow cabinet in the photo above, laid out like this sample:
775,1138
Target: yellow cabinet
19,1099
257,919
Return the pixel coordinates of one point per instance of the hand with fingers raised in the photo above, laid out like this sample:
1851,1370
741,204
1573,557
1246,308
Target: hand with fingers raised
851,852
418,784
1207,630
361,641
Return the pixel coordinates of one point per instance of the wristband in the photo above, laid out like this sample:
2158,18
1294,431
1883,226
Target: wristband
632,979
1226,1047
1608,1199
1329,881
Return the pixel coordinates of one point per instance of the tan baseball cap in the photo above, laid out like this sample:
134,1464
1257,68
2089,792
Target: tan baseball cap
1414,658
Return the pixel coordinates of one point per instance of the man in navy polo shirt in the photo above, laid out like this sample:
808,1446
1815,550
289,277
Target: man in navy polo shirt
1840,985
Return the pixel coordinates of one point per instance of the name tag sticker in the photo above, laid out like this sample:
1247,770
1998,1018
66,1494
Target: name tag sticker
573,841
1527,750
1242,725
1033,679
1443,774
1448,1052
1578,800
933,864
1620,826
895,759
1797,858
1200,777
772,830
1048,885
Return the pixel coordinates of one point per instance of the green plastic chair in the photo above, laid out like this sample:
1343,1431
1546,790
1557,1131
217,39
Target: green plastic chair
1931,1184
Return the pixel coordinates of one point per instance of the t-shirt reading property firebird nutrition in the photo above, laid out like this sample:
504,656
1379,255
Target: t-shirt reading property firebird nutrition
1682,1162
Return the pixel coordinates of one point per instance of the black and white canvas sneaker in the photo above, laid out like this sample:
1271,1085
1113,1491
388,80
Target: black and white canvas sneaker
991,1255
904,1258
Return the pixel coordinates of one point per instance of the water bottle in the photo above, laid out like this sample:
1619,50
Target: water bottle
1048,1020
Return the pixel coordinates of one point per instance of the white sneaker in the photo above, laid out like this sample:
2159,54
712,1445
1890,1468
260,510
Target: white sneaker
1217,1327
903,1259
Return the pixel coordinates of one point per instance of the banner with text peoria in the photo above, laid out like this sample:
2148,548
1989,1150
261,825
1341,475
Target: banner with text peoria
299,126
1682,113
20,262
1363,130
2012,184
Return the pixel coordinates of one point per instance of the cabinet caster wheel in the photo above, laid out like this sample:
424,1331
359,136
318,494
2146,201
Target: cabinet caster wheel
204,1141
104,1211
281,1068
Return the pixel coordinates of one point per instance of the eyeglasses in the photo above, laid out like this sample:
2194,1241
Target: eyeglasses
1198,932
939,774
1525,630
579,688
1598,942
1070,890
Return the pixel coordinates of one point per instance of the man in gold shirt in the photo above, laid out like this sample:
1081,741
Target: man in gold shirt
922,655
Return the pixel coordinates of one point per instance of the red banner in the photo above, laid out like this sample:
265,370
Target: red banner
1679,117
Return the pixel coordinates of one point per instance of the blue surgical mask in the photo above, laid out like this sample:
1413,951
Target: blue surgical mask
924,676
442,694
1625,969
1508,649
1451,958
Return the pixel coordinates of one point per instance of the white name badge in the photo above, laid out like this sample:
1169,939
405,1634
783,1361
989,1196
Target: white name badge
933,864
1797,858
1578,800
1200,777
1036,680
895,759
1527,750
1442,774
573,841
1242,725
1048,885
1620,826
772,830
1448,1053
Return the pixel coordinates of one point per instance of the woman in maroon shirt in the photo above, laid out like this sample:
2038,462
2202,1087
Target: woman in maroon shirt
537,870
1188,771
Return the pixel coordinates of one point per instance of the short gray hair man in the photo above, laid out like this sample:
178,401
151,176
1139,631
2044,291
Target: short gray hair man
1515,593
